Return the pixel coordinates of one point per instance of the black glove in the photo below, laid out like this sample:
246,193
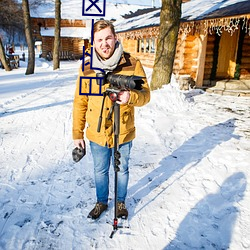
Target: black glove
78,153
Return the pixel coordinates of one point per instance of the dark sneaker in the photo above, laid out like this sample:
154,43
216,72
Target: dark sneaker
122,211
97,210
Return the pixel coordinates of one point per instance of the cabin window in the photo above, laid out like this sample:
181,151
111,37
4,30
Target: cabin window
146,45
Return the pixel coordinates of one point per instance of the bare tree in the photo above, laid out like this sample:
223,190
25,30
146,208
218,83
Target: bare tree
11,24
168,34
11,16
56,59
3,57
36,3
28,33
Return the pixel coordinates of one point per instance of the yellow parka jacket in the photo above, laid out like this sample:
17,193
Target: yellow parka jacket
87,108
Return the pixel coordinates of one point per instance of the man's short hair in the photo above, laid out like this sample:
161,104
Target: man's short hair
103,24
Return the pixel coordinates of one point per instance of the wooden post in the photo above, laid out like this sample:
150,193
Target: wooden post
145,45
149,45
201,60
140,41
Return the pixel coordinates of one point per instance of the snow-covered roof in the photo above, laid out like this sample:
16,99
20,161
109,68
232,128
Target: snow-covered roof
145,20
73,10
206,9
191,11
80,32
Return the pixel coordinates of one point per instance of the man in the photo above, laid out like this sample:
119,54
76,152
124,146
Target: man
108,55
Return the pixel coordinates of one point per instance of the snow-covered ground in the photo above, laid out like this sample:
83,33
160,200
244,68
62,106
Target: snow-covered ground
189,170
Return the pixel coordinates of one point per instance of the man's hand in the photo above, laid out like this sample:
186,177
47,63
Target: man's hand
79,143
123,97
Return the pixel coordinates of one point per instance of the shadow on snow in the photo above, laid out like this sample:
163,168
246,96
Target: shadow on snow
23,110
190,153
210,223
207,213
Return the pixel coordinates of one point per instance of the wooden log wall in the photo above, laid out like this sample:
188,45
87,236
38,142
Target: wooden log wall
47,45
131,46
66,44
50,22
186,55
78,47
245,60
146,59
73,45
178,61
190,56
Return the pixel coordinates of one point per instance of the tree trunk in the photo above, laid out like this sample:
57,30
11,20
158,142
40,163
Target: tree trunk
168,34
56,59
3,57
29,38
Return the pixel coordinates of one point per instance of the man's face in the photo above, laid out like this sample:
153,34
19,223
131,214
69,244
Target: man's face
104,43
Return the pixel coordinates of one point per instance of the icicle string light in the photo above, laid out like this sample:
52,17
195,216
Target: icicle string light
206,27
218,25
151,32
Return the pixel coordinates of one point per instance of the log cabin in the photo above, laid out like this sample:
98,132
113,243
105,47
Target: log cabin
74,35
213,41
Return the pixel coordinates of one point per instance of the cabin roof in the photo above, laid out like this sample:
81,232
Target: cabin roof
77,32
194,10
208,9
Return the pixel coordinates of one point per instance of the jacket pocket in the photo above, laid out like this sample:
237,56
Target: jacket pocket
127,120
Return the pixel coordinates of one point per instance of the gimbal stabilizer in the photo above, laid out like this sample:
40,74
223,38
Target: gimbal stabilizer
117,84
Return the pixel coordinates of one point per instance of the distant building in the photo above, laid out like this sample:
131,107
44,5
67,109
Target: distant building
74,35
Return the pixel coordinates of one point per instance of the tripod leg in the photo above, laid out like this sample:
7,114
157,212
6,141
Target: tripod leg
116,160
100,117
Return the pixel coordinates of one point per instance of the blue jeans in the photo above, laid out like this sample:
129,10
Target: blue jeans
102,157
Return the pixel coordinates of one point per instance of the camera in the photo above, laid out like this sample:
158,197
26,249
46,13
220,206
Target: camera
121,81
